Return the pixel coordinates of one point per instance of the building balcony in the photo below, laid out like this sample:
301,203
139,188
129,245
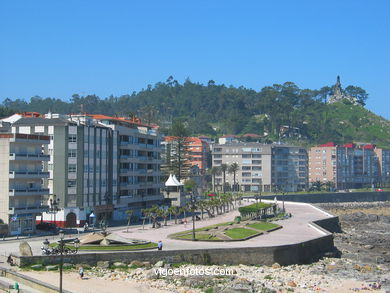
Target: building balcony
28,157
28,209
28,192
28,175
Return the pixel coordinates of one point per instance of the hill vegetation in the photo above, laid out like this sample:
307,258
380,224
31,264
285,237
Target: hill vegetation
218,109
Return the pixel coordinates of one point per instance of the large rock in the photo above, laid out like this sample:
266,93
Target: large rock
103,264
119,265
52,268
25,249
37,266
159,264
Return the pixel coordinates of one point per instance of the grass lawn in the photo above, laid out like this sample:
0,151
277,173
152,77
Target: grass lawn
112,247
199,236
264,226
240,233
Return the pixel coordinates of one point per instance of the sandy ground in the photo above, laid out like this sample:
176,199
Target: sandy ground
73,283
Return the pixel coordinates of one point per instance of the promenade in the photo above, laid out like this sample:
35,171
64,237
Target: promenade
295,229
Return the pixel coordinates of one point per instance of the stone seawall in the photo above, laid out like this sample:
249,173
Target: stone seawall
332,197
296,253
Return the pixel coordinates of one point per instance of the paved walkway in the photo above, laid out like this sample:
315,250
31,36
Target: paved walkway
295,229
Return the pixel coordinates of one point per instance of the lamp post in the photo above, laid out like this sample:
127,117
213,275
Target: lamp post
53,206
193,207
61,250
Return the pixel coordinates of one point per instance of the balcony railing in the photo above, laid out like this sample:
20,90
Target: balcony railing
28,191
28,174
25,156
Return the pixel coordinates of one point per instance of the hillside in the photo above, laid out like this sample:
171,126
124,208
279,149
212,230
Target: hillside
217,109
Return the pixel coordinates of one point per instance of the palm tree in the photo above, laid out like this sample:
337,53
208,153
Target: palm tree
164,214
175,211
214,171
224,168
146,213
129,214
233,168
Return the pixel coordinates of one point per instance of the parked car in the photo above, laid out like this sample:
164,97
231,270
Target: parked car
46,226
379,189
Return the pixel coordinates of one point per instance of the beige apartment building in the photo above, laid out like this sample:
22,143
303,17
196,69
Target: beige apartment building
262,167
349,165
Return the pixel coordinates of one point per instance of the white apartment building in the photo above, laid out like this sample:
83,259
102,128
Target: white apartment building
21,175
82,167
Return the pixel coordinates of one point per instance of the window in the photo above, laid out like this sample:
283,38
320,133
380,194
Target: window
71,183
246,174
72,153
50,166
72,168
256,155
246,168
256,162
72,138
256,168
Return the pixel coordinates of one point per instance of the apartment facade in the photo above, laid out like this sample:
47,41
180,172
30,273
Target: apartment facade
348,166
384,166
82,170
139,161
263,167
21,175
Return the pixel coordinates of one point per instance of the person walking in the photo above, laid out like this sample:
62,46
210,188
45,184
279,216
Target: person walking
159,245
81,273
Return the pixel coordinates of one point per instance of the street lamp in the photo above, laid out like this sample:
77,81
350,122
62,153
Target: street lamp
61,249
193,207
53,206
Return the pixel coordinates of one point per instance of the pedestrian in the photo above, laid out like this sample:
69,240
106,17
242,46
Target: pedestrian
159,245
185,223
81,272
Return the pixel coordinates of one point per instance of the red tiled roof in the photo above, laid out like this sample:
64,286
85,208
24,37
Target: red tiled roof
328,144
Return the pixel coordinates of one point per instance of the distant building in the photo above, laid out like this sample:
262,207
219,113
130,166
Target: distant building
228,139
349,166
198,153
263,167
21,173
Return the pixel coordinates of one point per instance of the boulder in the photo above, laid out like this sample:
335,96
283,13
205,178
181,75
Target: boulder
146,264
67,265
37,266
52,268
103,264
119,265
151,274
291,284
136,263
276,266
25,249
159,264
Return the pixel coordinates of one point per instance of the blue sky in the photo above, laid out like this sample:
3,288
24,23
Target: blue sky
58,48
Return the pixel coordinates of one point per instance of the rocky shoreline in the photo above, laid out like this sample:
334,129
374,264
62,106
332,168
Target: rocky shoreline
327,275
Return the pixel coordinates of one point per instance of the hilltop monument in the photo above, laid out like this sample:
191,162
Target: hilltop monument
339,95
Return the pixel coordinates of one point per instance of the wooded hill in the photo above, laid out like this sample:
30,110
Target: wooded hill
218,109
